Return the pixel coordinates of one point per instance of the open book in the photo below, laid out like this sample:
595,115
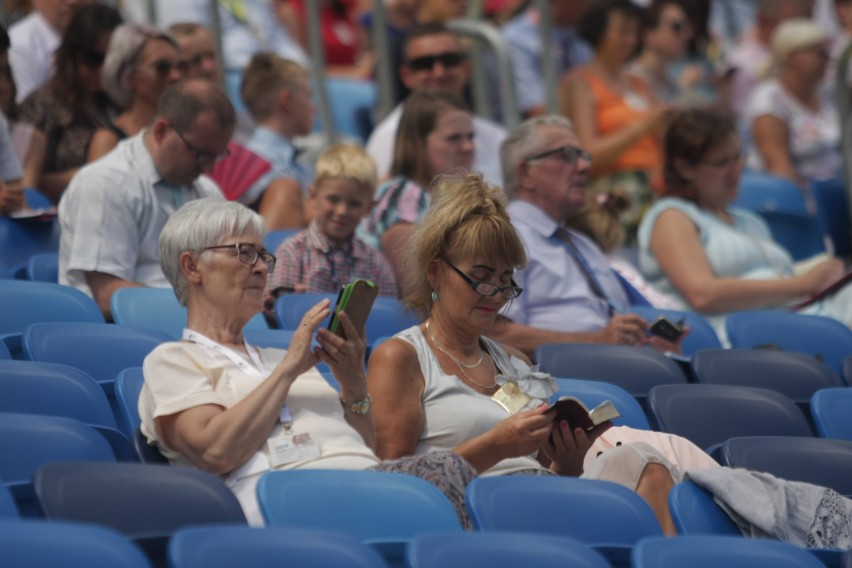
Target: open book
578,414
832,288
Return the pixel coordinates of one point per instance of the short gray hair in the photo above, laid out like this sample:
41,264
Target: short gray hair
198,224
523,142
122,58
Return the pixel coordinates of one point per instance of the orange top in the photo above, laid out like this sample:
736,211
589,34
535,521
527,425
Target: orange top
612,113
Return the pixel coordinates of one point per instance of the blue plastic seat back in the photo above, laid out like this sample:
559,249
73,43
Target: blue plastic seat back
391,507
601,512
273,239
352,102
128,385
795,375
824,338
5,354
37,543
634,369
833,211
701,334
28,441
823,462
146,503
782,205
275,338
713,551
145,452
43,267
593,393
694,512
270,547
846,370
49,389
710,414
22,238
26,302
8,508
831,410
386,318
5,272
36,199
500,550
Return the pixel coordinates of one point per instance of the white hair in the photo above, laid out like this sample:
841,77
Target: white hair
523,142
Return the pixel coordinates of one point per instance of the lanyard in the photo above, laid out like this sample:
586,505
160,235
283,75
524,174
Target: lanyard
255,370
563,237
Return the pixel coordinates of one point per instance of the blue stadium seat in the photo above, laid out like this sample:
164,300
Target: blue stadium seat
500,550
818,461
601,514
8,508
715,551
43,267
5,272
273,239
146,503
782,205
36,199
352,102
28,441
128,385
228,546
824,338
710,414
37,543
392,508
846,370
833,212
4,352
701,334
831,410
22,238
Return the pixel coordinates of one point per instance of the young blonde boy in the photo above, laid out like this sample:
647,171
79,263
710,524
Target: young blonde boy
327,254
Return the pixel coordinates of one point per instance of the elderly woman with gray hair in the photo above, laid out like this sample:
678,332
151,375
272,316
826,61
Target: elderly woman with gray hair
215,402
141,62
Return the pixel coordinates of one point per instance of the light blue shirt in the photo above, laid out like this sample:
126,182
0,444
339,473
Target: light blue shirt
556,294
281,153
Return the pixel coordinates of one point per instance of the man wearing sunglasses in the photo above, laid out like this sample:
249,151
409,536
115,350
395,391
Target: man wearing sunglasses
434,58
570,292
113,211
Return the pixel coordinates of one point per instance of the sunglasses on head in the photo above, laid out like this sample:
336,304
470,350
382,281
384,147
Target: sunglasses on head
427,62
91,58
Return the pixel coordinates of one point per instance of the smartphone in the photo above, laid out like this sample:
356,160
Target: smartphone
663,327
356,299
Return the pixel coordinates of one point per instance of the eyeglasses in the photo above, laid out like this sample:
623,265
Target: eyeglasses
91,58
163,67
202,157
247,253
568,154
447,60
486,288
196,61
678,26
736,159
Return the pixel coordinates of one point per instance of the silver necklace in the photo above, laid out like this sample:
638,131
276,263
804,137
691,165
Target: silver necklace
462,365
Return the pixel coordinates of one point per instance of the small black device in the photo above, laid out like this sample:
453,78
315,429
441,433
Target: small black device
663,327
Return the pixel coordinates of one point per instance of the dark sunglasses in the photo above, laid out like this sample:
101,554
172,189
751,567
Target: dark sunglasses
164,67
568,154
91,58
427,62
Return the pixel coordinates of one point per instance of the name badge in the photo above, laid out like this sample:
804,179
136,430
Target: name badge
511,397
289,447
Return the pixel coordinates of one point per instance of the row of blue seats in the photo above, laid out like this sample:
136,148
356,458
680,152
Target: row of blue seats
149,504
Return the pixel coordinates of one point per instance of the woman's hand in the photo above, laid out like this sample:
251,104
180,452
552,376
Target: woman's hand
345,357
299,356
821,276
523,433
566,450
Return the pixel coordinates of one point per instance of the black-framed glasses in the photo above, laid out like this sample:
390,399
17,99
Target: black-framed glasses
247,253
196,61
202,157
568,154
447,60
488,289
163,67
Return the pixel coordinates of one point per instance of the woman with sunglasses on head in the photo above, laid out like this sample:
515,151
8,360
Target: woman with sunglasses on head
710,256
434,385
72,105
140,63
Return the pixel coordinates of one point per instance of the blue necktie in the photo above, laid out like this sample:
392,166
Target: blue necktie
564,237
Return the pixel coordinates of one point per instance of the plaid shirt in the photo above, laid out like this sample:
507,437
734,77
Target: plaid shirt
310,258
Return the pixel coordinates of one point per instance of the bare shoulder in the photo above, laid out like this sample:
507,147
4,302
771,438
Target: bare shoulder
394,352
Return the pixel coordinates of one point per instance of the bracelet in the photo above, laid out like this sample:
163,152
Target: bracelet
362,407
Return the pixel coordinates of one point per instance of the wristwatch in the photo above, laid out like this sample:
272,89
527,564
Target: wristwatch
361,407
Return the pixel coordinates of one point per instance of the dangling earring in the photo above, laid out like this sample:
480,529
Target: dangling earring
434,296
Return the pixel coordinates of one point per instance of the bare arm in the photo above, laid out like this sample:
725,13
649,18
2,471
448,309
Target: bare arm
103,285
220,440
772,141
35,159
11,197
53,184
577,102
102,142
394,246
281,205
676,245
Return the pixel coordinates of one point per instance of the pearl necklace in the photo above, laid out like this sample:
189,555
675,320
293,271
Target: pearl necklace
462,365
